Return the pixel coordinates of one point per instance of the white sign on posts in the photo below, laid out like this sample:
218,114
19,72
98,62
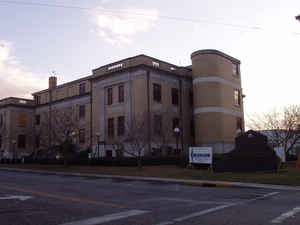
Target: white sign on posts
202,155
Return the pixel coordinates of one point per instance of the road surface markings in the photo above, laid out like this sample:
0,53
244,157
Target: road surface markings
63,197
206,211
286,215
188,201
19,197
107,218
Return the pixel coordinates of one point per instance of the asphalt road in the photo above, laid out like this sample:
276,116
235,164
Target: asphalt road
38,199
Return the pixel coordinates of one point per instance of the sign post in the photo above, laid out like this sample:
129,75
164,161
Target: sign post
201,155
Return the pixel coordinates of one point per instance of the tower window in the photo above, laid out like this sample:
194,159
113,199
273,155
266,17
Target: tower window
237,97
235,69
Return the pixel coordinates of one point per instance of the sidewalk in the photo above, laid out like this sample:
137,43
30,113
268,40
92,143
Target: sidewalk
205,183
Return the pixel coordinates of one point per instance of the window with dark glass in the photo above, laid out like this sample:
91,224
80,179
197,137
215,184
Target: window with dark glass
192,128
21,141
82,89
37,141
110,128
82,136
157,92
121,125
157,124
37,99
174,96
121,93
237,97
235,69
81,111
175,123
109,96
37,119
191,98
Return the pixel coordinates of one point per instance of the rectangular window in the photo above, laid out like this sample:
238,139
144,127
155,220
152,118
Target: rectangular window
157,124
174,96
82,136
237,97
157,92
111,127
192,128
191,98
22,121
109,96
175,123
235,69
82,89
21,141
121,93
121,125
81,111
37,99
37,141
37,119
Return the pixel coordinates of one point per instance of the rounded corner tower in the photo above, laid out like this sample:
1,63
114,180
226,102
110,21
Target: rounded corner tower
218,105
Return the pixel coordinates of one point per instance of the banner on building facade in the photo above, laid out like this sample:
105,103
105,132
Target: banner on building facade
201,155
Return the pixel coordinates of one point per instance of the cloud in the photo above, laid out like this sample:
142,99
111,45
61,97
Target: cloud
121,28
14,79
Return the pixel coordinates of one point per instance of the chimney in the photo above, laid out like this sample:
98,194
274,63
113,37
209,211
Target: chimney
52,82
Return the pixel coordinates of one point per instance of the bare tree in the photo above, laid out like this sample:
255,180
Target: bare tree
162,138
58,131
282,127
136,137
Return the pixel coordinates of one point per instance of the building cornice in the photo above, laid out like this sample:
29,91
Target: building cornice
65,99
215,52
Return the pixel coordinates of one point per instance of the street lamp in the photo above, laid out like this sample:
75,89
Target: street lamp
98,143
176,132
14,146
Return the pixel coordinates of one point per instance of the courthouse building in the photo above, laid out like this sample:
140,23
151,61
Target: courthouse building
204,100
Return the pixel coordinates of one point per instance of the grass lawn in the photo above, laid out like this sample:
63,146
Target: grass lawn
289,176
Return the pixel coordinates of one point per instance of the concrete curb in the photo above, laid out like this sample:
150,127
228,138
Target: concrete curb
203,183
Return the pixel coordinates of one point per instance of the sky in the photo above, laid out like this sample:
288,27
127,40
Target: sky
72,37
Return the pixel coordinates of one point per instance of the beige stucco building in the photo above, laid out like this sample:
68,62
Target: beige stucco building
204,100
